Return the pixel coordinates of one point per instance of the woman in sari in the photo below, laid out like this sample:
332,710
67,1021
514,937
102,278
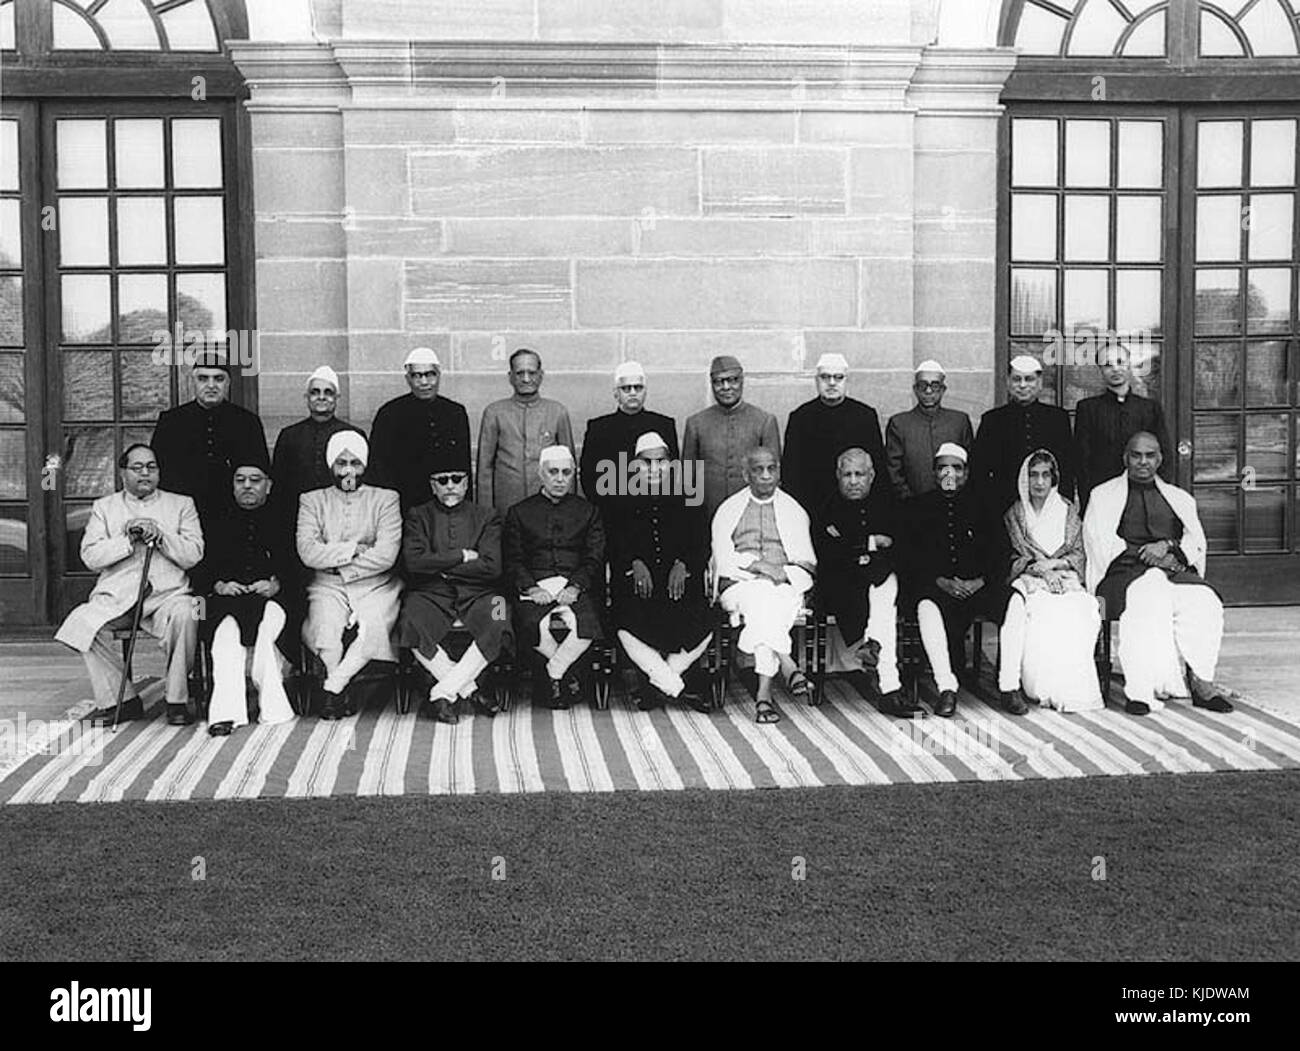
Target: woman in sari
1060,619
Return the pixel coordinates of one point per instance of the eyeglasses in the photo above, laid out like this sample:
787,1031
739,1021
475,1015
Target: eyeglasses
833,377
448,479
931,386
630,388
143,468
431,374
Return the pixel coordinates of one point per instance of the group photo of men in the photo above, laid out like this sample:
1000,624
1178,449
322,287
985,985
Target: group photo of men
338,549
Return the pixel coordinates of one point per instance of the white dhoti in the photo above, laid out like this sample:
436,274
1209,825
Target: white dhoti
173,623
331,607
768,612
453,678
1163,625
229,698
882,625
664,673
1047,643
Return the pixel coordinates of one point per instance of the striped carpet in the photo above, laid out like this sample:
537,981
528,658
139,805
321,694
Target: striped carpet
846,741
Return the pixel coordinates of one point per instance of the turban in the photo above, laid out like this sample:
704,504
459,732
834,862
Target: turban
832,363
1024,363
559,453
725,363
422,356
347,441
629,370
324,374
951,449
649,440
930,365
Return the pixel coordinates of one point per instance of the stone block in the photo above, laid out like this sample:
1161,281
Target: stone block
301,296
540,238
492,296
377,181
792,181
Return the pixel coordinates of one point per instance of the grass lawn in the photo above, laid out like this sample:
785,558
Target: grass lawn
1196,866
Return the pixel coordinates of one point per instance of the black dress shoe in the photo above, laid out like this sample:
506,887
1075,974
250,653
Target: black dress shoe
1137,708
946,705
179,715
695,701
220,729
899,703
333,708
557,699
1013,702
131,709
487,707
443,711
650,699
1206,695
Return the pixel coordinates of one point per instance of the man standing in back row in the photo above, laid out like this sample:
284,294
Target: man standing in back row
617,432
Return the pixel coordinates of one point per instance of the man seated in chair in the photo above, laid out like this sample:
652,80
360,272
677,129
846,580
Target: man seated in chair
555,562
951,554
764,562
854,538
452,550
244,565
1146,559
350,534
656,573
119,528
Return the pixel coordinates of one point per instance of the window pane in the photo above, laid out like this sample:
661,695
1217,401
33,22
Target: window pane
73,32
1266,519
1266,445
1217,40
189,28
1218,153
142,308
1040,32
1218,229
88,385
146,386
83,231
1218,302
1147,357
7,31
1087,153
1033,227
13,465
85,308
1218,375
142,231
11,234
13,542
200,231
1268,300
201,302
1271,226
13,388
1141,149
76,516
1085,299
1033,301
1272,153
11,311
196,154
1148,39
1081,381
83,155
1217,510
1033,152
1087,228
1097,31
91,462
1266,373
128,27
1137,302
8,155
1137,229
1215,449
138,154
1268,29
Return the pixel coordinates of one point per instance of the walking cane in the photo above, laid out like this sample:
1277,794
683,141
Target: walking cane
135,630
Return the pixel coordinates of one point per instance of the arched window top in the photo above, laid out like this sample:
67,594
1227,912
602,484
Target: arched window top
134,25
1093,28
1256,28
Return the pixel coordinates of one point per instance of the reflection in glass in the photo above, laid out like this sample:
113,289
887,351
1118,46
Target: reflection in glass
189,28
1033,226
1146,358
1138,301
76,517
1272,153
85,308
13,387
13,464
1033,301
142,308
1141,149
1268,300
8,155
1218,375
200,231
11,235
83,231
146,386
1087,153
138,154
196,154
88,385
1266,519
1081,381
1271,226
1048,395
1087,228
1218,228
13,542
1215,449
1217,510
1218,153
1033,152
1266,445
83,154
1137,229
1218,302
201,301
90,468
11,311
1085,299
142,231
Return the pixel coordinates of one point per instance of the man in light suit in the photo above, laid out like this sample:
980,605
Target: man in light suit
120,527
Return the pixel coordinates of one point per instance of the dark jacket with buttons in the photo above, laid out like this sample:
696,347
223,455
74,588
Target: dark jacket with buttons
1006,436
840,534
240,547
948,535
410,438
545,539
198,450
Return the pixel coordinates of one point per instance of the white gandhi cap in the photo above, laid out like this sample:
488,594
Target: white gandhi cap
930,365
422,356
649,440
1024,363
832,363
951,449
324,374
558,453
629,370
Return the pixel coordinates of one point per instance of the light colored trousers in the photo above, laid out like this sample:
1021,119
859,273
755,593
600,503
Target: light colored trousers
178,632
664,673
560,655
229,697
453,678
1011,638
1164,624
882,625
769,612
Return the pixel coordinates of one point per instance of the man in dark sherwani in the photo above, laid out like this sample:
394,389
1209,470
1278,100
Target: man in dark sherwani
617,432
452,549
555,565
199,444
657,559
411,431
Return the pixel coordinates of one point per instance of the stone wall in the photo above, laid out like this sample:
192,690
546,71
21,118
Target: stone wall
607,180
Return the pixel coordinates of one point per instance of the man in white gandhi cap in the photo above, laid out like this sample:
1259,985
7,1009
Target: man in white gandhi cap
349,534
555,564
913,437
819,430
616,433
